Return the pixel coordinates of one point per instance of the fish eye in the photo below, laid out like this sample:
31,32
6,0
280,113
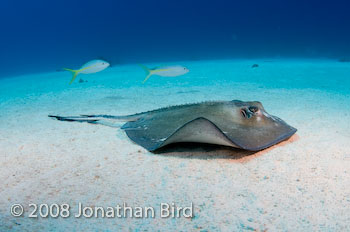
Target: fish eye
253,109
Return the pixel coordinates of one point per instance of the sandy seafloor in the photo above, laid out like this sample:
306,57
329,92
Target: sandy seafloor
301,185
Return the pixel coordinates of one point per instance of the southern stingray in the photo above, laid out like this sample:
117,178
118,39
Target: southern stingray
238,124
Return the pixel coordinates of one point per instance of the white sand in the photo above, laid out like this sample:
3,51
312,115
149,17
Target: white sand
301,185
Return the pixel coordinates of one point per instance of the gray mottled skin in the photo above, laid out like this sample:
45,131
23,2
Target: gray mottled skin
235,123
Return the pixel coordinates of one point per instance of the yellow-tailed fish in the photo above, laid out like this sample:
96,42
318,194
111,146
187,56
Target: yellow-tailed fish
167,71
92,66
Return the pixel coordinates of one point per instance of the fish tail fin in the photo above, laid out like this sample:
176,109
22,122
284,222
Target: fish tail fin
148,71
74,72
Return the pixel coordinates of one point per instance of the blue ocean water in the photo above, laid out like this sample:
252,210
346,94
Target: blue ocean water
292,56
39,36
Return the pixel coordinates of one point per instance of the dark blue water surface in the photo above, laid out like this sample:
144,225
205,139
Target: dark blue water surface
43,35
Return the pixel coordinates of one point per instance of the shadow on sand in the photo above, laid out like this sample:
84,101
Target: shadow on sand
208,151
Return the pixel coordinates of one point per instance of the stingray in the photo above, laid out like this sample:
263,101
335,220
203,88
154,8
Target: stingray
244,125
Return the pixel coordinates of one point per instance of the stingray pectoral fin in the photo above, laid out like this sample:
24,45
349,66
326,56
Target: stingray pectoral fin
199,130
258,138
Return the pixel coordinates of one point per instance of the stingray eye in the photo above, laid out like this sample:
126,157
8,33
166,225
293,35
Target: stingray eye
253,109
244,113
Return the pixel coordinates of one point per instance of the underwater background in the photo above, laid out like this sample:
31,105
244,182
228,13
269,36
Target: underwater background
292,56
39,35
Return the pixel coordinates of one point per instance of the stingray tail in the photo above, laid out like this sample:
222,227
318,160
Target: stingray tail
85,119
106,120
73,119
124,118
74,72
148,71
